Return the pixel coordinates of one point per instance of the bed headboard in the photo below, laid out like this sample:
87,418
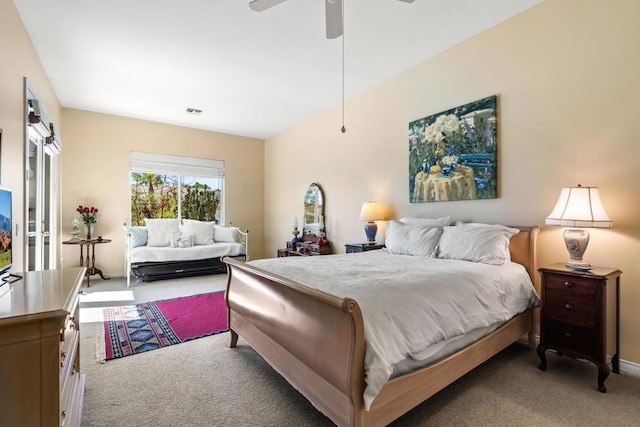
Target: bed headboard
523,250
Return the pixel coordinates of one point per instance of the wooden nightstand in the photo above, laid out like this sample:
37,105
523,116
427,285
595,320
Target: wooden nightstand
361,247
579,316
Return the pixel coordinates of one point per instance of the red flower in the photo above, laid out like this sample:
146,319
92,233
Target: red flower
88,214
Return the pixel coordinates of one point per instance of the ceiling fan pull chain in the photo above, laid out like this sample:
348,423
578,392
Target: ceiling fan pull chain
344,129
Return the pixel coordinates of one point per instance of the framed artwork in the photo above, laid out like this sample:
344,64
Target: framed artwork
453,154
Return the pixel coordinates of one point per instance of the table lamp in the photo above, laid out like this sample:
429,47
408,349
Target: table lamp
370,212
578,207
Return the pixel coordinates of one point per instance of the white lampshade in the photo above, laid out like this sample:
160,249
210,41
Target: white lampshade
579,207
371,211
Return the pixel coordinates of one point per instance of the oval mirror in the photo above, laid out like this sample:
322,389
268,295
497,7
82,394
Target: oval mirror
313,210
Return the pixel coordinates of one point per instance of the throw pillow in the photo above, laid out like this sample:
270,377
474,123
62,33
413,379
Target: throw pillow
201,230
138,235
160,230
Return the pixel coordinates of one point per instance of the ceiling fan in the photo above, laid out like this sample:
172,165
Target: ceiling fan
333,11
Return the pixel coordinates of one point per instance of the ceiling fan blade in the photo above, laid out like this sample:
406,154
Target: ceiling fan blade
407,1
260,5
333,10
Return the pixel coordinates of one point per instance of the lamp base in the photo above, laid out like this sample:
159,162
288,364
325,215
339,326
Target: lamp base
371,229
576,241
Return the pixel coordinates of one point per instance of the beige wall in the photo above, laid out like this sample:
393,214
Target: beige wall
95,172
18,59
566,76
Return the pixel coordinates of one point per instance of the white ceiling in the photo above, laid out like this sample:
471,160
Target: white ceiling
252,73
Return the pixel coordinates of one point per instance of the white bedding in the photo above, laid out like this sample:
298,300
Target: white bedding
165,254
410,303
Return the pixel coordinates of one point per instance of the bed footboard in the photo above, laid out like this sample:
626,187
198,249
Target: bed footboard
313,339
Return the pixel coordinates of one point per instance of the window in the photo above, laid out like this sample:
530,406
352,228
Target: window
164,186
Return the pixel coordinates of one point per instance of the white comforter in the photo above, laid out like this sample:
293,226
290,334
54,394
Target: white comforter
408,302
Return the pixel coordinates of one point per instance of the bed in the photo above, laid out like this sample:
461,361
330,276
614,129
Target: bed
316,340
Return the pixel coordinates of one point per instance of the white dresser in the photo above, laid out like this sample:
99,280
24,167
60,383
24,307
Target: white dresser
40,379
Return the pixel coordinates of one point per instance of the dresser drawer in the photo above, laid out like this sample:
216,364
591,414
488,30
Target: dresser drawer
570,307
571,339
572,284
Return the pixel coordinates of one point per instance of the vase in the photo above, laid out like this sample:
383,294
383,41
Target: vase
89,229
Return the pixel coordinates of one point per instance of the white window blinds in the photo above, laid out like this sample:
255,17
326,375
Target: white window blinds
179,165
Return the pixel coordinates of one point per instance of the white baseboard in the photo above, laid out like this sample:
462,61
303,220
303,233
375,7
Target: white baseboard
630,368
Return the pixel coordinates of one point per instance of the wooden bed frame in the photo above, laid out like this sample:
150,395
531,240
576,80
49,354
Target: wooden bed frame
316,341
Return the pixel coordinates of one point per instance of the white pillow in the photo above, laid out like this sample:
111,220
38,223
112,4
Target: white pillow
409,239
226,234
202,230
433,222
485,243
159,230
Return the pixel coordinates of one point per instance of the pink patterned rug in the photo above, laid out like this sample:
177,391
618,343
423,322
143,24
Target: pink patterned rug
137,328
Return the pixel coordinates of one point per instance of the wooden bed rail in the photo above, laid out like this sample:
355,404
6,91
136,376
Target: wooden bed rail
312,338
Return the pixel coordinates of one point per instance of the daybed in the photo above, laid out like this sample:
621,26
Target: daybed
316,339
169,248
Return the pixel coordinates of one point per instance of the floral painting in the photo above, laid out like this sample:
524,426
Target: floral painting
452,154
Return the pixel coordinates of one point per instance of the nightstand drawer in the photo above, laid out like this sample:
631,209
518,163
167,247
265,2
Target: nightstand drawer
572,339
571,284
571,307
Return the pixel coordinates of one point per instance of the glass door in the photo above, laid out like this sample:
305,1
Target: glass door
39,167
40,191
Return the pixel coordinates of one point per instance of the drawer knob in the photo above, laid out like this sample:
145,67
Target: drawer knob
568,336
569,307
569,284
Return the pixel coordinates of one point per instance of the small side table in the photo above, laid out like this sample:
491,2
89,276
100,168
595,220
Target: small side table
361,247
89,260
579,316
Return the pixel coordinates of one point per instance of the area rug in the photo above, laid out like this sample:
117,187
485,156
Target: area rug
148,326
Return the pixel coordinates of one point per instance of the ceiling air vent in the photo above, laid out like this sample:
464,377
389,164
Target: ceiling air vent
194,111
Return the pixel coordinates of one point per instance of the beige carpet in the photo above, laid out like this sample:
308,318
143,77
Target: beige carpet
204,383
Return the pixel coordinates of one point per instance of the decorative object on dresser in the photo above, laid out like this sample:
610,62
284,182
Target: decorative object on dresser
361,247
578,207
371,212
295,231
41,383
312,242
579,316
